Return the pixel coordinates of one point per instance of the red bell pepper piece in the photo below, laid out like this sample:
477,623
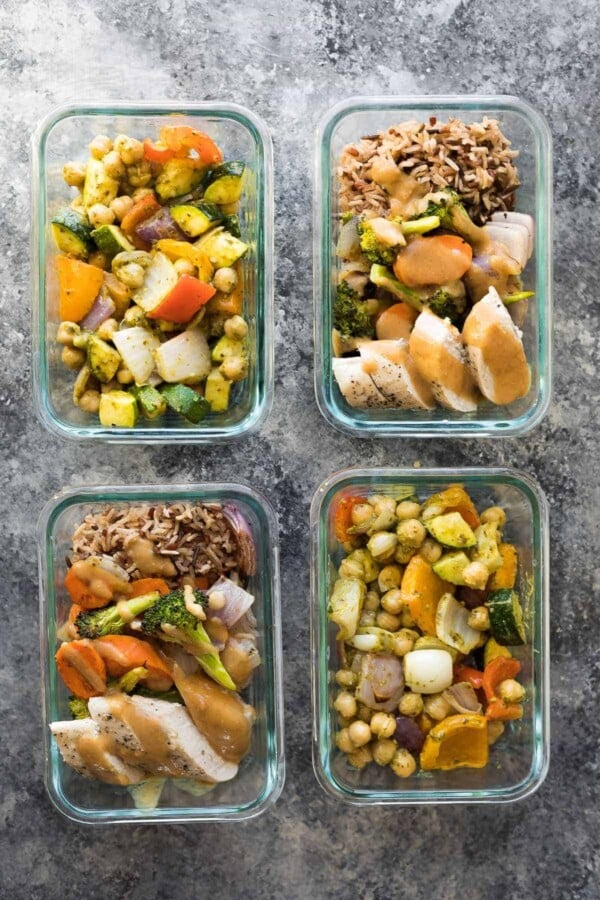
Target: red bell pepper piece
158,152
181,139
465,673
498,709
184,301
497,671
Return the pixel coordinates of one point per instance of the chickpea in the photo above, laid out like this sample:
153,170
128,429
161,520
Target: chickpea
98,259
236,328
370,566
425,723
129,149
476,575
494,514
107,329
371,602
89,401
78,205
124,376
142,192
384,509
360,757
74,174
344,723
72,358
134,316
407,618
387,621
184,267
235,368
411,704
112,385
408,509
430,550
139,174
383,751
113,165
403,554
495,729
362,515
99,214
382,545
66,332
364,713
367,619
346,678
511,691
383,725
343,741
436,707
121,206
479,619
404,641
411,533
132,275
225,279
100,146
360,733
403,764
346,705
351,568
392,601
389,578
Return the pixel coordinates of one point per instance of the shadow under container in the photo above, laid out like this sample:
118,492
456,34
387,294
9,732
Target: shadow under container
64,135
261,775
519,759
528,131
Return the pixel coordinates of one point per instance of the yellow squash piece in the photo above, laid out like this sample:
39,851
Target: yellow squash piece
506,575
183,250
455,499
422,590
456,742
493,649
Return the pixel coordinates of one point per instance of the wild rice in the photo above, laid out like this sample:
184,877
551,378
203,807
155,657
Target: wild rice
198,538
475,160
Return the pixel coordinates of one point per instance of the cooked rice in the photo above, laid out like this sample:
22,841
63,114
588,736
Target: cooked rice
198,538
475,160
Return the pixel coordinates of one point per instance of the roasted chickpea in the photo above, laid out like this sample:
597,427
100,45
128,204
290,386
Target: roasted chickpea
134,316
430,550
382,545
225,279
184,267
437,707
403,764
364,713
132,275
345,705
362,515
124,376
107,329
383,725
235,368
411,704
99,214
139,174
351,568
494,514
129,149
98,259
89,401
425,723
404,641
236,328
511,691
383,751
387,621
360,733
479,619
72,358
371,603
74,174
403,554
367,618
411,533
408,509
113,165
360,757
66,332
392,601
121,206
100,146
343,741
346,678
389,578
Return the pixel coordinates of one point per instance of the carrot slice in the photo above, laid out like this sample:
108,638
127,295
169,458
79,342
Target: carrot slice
121,653
80,593
81,668
147,585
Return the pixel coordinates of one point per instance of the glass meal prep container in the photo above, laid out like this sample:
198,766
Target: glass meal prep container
65,135
260,778
528,132
519,760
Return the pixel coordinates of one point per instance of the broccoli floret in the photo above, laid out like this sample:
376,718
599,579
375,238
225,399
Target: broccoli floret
129,681
380,240
79,708
95,623
453,216
351,315
448,306
346,217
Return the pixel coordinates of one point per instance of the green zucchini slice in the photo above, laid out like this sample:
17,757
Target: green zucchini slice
72,233
506,618
195,219
185,401
111,240
224,183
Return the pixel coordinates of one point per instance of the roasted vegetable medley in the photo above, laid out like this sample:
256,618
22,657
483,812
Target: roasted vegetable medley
426,608
150,279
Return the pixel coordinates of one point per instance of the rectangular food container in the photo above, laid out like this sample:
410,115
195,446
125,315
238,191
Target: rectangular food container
260,778
519,760
346,123
65,135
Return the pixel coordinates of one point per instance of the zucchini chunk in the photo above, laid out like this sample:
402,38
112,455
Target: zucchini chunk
150,401
232,225
217,391
98,186
226,347
111,240
451,566
451,530
72,233
118,409
224,183
195,219
186,402
506,618
221,247
177,177
102,359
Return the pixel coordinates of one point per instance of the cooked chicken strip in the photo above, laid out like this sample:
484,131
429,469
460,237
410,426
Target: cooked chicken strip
85,749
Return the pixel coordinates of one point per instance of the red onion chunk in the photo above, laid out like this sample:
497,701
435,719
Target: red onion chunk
160,226
408,734
102,310
237,601
381,682
243,532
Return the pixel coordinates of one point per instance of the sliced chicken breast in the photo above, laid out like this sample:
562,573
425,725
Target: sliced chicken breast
496,351
83,748
356,385
519,219
395,374
158,736
441,359
515,238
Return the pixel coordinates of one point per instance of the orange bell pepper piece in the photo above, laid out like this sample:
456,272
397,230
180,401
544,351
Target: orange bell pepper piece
505,712
342,520
147,585
422,590
183,250
181,139
465,673
183,302
121,653
202,582
139,212
157,152
456,742
81,668
78,286
498,670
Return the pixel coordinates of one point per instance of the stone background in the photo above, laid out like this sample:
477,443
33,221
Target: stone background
290,62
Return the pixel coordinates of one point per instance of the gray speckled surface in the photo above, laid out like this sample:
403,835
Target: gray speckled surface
290,70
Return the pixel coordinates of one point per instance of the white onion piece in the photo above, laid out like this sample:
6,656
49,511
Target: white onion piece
109,565
452,625
136,346
185,358
348,244
237,601
428,671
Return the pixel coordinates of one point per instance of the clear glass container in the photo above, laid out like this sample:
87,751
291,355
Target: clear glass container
65,135
346,123
260,779
519,760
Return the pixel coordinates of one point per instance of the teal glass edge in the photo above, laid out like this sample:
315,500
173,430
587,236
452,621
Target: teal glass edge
417,423
263,389
322,733
269,557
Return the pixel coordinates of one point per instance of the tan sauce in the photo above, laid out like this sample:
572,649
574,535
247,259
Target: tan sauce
221,716
142,554
95,751
439,365
503,356
404,190
491,267
154,753
429,261
78,661
101,582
